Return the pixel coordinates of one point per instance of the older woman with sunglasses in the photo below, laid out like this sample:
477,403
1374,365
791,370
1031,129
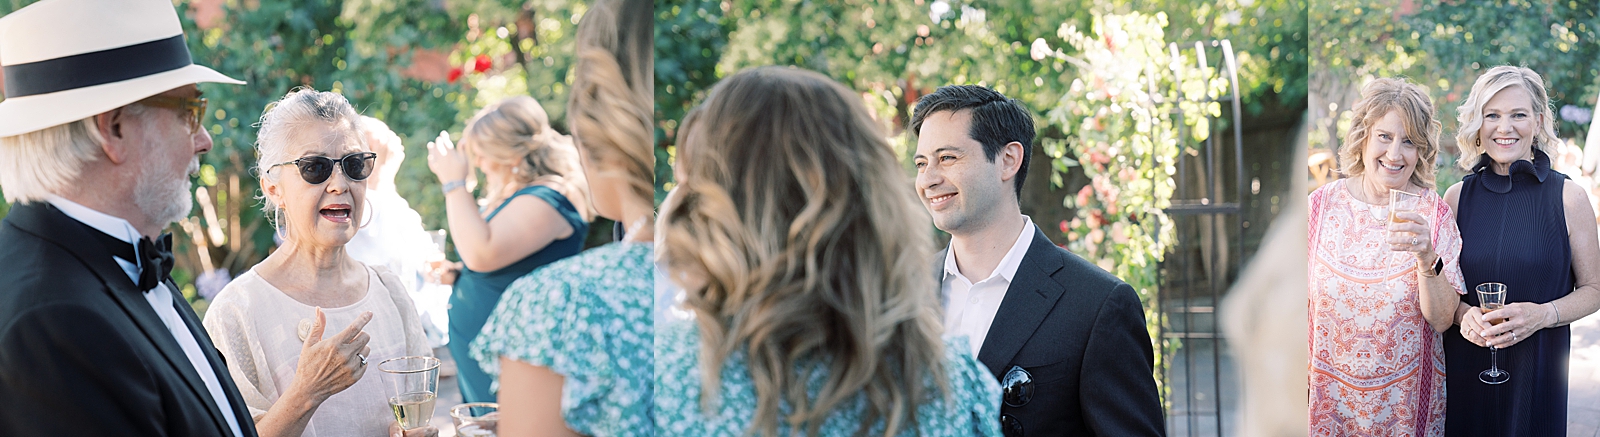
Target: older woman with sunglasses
279,324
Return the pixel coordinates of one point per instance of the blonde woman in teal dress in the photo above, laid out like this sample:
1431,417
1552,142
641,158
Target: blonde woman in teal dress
570,343
809,303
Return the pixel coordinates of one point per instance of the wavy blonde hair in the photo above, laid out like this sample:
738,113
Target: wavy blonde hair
517,131
813,250
1421,124
1491,82
610,108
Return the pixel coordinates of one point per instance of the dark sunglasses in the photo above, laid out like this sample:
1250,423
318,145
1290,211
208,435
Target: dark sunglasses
317,169
1018,388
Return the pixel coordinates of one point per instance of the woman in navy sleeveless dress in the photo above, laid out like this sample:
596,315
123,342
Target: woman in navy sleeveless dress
539,215
1520,222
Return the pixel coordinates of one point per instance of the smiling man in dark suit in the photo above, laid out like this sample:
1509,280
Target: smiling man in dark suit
99,132
1066,340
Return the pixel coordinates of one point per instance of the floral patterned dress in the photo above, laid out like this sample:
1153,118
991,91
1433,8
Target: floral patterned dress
1377,367
588,318
972,407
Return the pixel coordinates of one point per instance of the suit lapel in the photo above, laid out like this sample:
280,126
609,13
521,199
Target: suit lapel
47,222
1029,299
218,367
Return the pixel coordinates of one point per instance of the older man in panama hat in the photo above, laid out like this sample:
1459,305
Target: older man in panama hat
99,132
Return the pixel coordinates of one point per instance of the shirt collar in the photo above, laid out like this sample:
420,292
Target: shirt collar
1008,265
105,223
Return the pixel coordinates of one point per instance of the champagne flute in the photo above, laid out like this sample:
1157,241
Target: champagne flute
1492,296
1399,201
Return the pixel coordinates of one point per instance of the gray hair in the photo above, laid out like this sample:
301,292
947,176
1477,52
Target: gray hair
292,114
38,164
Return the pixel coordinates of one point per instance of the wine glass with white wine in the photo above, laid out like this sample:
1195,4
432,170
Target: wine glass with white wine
412,383
1492,296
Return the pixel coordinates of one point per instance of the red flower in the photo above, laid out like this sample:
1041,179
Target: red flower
455,74
1064,227
481,63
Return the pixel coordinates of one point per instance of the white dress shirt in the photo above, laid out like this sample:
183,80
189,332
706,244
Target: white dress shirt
970,307
160,298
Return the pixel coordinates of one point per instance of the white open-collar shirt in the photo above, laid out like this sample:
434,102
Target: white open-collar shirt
970,306
160,299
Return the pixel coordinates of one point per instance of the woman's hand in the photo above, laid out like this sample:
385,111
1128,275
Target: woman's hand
426,431
327,366
1413,235
1522,319
443,272
446,162
1473,326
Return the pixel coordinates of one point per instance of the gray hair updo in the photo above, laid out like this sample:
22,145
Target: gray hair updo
297,112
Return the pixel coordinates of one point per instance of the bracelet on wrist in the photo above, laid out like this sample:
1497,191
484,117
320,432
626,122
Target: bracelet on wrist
447,187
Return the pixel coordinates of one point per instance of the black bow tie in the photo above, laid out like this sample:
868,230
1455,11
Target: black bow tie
154,258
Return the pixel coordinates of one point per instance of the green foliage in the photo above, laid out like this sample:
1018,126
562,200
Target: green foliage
1444,46
1134,106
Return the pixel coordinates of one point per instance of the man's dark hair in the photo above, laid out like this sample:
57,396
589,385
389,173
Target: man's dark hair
996,120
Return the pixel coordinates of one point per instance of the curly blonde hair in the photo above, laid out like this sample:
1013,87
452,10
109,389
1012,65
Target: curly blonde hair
1421,124
1491,82
610,108
813,250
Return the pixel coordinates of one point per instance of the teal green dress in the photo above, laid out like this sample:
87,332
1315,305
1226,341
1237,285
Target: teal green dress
476,293
587,318
971,409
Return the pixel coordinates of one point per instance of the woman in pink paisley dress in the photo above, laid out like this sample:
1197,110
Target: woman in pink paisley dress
1381,294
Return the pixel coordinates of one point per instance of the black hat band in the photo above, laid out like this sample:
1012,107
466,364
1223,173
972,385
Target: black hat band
96,68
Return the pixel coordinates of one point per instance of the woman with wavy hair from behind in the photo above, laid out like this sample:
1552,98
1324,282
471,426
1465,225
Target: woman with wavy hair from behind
809,304
570,343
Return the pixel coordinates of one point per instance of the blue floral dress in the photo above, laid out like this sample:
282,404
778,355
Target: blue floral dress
588,318
971,409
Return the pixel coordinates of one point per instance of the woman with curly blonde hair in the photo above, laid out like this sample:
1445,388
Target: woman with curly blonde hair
809,303
1381,292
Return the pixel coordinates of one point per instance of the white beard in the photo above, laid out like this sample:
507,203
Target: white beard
164,197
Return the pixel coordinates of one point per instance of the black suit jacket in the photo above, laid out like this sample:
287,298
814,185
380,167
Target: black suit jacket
1080,332
81,351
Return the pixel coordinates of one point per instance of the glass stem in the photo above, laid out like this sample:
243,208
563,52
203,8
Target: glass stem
1494,360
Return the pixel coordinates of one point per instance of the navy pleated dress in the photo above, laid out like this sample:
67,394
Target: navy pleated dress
1513,231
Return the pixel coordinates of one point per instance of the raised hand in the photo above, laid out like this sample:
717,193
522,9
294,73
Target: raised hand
328,366
446,162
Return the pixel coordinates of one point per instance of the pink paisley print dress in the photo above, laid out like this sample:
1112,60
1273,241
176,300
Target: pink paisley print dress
1377,368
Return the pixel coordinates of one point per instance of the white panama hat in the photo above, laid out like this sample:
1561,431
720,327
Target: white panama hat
67,60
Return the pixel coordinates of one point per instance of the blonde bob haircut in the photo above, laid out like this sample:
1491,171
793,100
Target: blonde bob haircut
1491,83
811,251
1417,116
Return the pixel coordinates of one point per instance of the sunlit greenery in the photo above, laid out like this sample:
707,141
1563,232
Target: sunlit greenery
1444,46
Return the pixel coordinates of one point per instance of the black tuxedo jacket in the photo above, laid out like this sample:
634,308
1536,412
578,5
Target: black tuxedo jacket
81,351
1080,332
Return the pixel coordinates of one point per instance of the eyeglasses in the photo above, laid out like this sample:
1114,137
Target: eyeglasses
1018,388
317,169
195,105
